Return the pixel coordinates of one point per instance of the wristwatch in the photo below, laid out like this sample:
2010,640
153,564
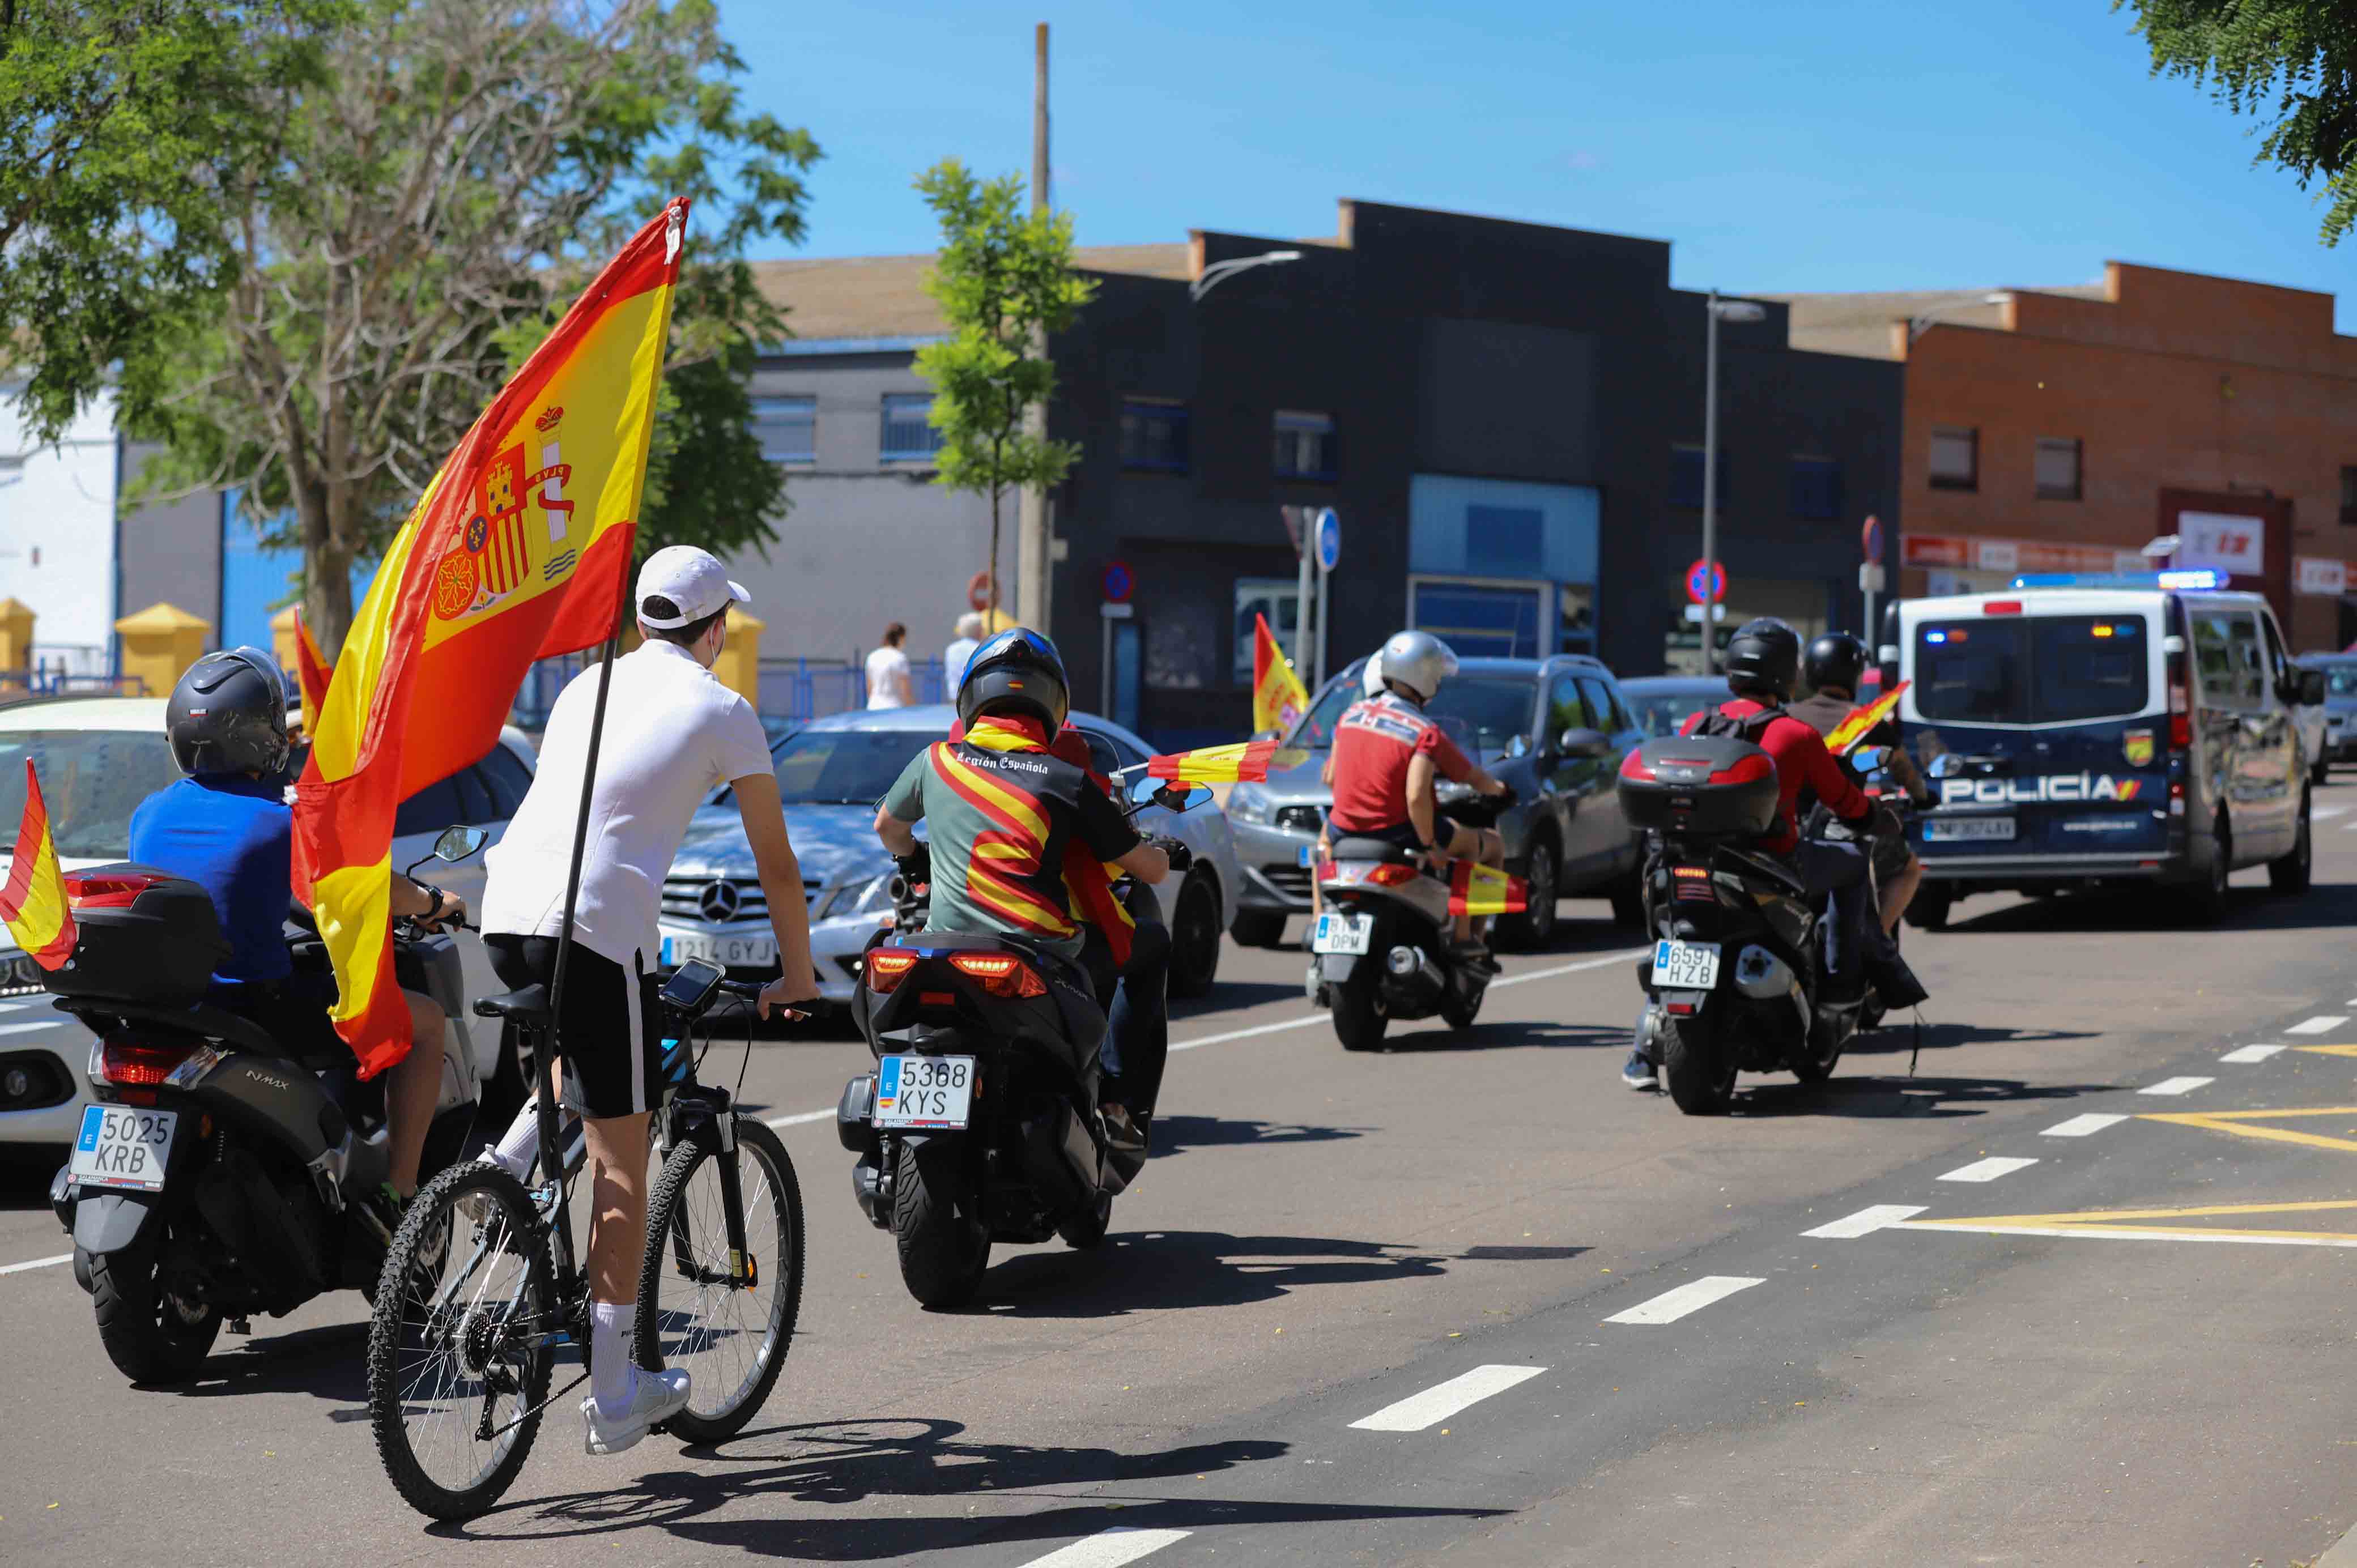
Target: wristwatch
434,910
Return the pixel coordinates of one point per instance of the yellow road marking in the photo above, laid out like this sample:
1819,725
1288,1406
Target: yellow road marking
2329,1050
2245,1124
2119,1224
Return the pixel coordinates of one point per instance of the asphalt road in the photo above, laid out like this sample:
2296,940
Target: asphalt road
1471,1302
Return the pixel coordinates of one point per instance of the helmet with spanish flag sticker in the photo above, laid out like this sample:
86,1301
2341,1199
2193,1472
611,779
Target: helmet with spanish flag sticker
1017,671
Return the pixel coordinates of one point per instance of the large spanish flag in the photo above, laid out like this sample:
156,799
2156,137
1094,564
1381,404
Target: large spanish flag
33,899
1243,762
517,550
1278,698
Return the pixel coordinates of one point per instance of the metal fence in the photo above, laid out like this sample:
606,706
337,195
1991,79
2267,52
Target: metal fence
69,669
793,691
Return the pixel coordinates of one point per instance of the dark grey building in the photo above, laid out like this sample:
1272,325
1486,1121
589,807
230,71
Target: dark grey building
1507,419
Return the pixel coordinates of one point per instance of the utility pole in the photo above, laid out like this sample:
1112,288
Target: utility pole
1032,566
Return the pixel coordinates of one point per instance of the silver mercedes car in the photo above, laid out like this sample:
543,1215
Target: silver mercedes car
831,773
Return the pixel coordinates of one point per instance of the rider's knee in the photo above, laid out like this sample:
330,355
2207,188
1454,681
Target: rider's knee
425,1017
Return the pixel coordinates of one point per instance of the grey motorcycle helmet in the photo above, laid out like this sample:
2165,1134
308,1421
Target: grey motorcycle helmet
228,714
1416,662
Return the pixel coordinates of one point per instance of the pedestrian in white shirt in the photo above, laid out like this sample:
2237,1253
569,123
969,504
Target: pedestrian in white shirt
673,732
887,671
955,656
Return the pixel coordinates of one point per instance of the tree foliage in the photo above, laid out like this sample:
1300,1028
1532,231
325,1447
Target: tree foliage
393,228
1003,280
2294,60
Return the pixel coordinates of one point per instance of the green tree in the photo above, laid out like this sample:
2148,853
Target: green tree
2294,60
398,225
1003,280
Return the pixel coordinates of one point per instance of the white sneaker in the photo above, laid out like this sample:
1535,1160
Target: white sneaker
655,1397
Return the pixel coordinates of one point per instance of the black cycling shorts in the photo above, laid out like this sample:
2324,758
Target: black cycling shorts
605,1033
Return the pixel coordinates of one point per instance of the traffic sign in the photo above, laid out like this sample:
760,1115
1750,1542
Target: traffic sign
1869,538
1706,582
1117,583
1329,540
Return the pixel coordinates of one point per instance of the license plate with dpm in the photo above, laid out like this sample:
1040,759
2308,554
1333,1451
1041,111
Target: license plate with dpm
119,1147
1352,934
1684,966
1966,830
925,1091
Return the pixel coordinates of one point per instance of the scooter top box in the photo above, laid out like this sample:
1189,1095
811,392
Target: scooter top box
1700,784
141,935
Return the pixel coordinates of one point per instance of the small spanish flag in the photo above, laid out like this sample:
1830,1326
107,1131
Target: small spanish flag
1245,762
1853,729
312,670
33,900
1477,889
1278,697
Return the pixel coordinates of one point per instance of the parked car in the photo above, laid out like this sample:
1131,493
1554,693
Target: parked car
831,773
1556,729
2339,741
98,758
1663,703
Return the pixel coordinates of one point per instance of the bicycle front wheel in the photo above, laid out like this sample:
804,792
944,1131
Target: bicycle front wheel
458,1350
730,1328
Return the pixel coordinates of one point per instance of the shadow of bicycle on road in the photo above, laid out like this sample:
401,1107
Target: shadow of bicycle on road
1177,1270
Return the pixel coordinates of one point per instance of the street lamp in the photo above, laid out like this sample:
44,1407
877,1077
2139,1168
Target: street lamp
1719,310
1917,325
1219,271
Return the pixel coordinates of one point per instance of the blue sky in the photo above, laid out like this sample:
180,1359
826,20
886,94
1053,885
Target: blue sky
1831,145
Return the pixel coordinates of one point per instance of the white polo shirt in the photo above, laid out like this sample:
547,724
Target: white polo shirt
673,732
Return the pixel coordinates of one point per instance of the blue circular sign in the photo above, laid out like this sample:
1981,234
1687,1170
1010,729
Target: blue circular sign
1117,583
1329,540
1706,582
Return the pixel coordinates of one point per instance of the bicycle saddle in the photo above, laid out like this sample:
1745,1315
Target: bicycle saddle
528,1008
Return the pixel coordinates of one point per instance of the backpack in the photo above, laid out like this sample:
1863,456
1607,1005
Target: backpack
1719,721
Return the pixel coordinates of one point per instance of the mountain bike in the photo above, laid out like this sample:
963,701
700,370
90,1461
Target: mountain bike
482,1288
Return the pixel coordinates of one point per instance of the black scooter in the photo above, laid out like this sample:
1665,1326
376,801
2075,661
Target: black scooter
980,1121
219,1174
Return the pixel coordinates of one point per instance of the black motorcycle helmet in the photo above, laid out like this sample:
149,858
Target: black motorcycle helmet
1764,655
1017,671
1836,658
228,714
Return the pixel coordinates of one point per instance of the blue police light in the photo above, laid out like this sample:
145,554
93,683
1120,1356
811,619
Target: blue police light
1935,637
2202,577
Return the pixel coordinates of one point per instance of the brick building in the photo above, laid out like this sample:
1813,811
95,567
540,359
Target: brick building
2065,429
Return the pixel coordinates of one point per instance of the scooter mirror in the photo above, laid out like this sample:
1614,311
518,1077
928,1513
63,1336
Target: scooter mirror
1169,797
458,841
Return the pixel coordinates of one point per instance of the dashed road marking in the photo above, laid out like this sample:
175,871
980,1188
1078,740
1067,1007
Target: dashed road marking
1989,1169
2080,1126
1437,1403
2176,1085
2323,1024
37,1264
1671,1305
2250,1053
1865,1221
2326,813
1110,1548
800,1117
36,1023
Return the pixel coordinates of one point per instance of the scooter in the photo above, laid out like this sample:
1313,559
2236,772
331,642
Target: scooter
980,1121
219,1175
1381,944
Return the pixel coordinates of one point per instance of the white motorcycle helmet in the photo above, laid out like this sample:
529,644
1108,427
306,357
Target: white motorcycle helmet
1418,662
1371,679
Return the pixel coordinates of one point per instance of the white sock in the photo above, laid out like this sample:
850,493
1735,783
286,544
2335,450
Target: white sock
520,1143
613,1376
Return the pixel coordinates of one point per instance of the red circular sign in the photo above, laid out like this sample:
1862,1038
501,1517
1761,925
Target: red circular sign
1870,538
1118,582
1707,589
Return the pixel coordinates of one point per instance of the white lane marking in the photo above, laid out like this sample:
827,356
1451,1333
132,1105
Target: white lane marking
1110,1548
2080,1126
800,1117
1549,973
19,1005
1671,1305
2323,1024
1437,1403
1989,1169
2326,813
2176,1085
1867,1221
2132,1233
28,1028
37,1264
2250,1053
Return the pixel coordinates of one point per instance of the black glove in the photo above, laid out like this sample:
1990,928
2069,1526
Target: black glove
1181,857
916,866
1506,798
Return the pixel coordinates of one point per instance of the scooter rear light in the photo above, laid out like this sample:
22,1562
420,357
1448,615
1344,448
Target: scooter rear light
936,998
1000,975
886,967
108,890
1392,874
137,1064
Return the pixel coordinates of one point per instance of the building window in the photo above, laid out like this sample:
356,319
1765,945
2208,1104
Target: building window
787,428
1685,477
1955,459
1305,445
1279,598
1153,435
2057,469
909,435
1817,489
2349,498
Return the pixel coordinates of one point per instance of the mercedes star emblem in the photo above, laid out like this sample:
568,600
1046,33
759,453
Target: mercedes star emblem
718,902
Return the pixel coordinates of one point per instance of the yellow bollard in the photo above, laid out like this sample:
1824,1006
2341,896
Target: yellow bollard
739,664
16,644
160,643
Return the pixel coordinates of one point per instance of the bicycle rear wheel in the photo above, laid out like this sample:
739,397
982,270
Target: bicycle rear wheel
459,1351
731,1336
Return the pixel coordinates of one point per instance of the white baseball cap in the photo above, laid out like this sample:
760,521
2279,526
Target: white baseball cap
692,580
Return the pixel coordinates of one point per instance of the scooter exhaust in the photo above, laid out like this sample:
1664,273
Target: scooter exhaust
1413,971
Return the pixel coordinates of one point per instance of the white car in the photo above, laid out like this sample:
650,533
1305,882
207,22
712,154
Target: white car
98,758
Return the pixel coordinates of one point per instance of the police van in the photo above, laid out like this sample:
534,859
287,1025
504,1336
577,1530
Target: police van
2082,730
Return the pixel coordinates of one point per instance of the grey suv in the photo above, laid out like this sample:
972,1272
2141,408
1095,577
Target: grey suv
1556,729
